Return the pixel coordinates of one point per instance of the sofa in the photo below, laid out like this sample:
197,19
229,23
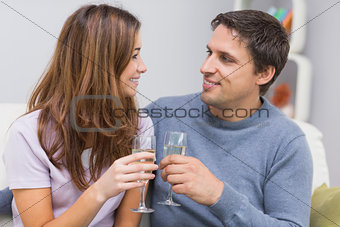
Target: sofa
10,111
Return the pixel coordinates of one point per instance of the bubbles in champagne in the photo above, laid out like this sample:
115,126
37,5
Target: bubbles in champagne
170,149
145,161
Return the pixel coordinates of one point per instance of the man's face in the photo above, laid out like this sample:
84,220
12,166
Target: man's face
229,80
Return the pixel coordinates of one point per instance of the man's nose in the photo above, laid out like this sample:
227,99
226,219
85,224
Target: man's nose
208,66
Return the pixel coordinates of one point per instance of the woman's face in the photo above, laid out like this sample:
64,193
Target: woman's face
130,77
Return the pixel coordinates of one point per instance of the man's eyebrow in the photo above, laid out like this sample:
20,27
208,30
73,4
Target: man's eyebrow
226,54
229,55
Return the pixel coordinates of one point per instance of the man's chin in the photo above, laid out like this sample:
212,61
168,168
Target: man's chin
206,98
212,100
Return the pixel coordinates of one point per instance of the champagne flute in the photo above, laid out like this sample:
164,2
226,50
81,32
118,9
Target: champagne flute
174,143
144,144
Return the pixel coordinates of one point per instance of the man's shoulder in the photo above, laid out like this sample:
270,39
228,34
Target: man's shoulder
283,127
175,102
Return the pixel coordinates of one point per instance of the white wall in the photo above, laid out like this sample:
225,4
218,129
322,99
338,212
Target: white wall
174,34
323,48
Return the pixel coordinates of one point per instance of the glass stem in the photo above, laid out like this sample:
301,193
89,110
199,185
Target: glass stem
170,194
142,199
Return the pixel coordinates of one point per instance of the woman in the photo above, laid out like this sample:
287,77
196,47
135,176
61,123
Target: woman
67,160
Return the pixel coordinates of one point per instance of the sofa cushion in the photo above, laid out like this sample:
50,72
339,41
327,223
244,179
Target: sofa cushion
314,139
325,210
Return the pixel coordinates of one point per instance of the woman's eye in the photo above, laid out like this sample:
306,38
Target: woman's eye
135,56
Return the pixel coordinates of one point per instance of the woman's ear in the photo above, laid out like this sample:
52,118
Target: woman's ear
265,76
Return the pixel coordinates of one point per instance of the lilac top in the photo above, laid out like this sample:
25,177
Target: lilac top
28,166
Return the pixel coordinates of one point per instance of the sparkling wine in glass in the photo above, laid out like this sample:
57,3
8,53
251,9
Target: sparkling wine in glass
144,144
174,143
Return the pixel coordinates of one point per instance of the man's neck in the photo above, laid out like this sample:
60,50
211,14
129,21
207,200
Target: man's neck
236,113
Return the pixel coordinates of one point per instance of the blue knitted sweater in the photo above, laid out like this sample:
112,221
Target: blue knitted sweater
263,160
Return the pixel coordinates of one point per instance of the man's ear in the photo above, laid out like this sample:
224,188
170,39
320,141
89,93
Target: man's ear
265,76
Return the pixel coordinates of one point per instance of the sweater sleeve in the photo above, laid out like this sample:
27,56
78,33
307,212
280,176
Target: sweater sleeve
287,193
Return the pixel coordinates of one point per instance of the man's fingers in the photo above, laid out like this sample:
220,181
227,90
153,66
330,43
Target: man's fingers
173,159
176,169
173,169
176,179
179,189
164,175
135,157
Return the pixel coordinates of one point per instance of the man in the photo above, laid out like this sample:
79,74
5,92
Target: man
6,197
247,164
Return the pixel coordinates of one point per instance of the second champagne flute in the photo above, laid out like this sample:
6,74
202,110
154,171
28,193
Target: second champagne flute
174,143
144,144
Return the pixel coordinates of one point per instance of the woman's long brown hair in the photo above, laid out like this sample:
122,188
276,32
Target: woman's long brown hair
94,47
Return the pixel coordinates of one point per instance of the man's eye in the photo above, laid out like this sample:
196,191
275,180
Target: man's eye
209,52
226,59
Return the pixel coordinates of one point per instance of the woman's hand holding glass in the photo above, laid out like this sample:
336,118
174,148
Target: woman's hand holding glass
123,176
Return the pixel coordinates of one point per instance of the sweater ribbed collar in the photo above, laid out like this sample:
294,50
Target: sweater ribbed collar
257,119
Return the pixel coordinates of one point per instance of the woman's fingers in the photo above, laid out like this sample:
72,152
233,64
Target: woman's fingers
131,185
138,167
135,157
136,176
125,172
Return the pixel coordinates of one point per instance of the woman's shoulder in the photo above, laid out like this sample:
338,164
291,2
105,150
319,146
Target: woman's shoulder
26,122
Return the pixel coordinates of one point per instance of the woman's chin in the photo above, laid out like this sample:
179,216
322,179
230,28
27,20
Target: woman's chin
130,93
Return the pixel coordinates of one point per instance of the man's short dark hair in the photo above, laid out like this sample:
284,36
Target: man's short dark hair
266,39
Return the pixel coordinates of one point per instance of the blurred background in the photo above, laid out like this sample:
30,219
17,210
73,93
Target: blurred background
174,34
